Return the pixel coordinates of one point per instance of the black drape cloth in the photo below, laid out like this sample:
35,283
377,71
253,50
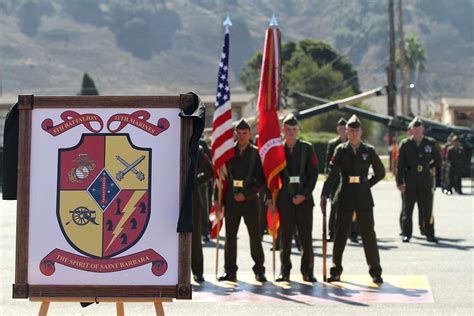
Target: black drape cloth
10,154
196,111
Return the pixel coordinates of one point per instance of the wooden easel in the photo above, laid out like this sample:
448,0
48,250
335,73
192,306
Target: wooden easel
45,301
88,290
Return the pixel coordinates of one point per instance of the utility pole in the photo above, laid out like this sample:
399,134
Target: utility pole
391,80
417,86
391,71
403,81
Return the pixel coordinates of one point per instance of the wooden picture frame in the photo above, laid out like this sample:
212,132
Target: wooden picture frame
27,104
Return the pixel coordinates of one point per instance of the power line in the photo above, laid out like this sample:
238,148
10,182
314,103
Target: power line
341,83
340,56
450,73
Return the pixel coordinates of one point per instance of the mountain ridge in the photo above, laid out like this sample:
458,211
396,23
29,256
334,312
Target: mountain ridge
53,60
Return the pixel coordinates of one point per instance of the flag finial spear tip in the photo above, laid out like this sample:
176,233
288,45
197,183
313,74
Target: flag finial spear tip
273,21
227,22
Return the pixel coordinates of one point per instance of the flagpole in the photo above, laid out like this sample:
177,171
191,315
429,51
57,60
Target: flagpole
219,209
270,145
227,23
274,23
274,232
324,249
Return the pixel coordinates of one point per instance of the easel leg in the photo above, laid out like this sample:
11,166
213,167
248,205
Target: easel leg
120,309
43,309
159,309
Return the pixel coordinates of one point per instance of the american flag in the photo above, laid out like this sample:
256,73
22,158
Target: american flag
222,144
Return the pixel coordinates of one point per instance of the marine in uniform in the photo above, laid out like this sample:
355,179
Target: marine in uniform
245,179
206,195
350,163
455,160
332,144
295,201
420,216
447,187
418,156
203,174
262,206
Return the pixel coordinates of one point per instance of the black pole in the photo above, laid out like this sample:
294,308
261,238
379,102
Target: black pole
391,79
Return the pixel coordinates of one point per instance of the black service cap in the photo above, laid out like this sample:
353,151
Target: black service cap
354,122
415,122
242,124
290,119
341,122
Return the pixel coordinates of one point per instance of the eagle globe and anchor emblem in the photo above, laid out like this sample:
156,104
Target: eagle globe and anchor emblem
103,205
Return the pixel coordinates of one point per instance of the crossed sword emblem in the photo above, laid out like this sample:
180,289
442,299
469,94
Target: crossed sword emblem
130,167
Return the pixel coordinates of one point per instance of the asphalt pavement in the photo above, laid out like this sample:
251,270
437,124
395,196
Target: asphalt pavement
421,278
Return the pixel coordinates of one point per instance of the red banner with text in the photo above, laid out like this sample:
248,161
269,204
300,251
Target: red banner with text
149,256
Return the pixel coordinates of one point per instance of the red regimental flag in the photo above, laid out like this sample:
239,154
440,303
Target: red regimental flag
273,230
270,145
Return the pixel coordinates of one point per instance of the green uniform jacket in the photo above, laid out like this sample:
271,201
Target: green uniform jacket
332,144
238,168
455,157
308,173
345,164
414,163
204,170
204,173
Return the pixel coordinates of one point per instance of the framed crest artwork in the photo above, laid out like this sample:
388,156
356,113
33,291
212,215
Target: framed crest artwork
100,183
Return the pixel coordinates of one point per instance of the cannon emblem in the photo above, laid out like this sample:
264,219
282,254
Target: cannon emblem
82,216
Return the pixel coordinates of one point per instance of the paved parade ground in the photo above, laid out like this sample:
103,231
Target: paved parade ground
421,278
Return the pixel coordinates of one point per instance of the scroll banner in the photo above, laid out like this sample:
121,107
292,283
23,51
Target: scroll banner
72,119
138,119
149,256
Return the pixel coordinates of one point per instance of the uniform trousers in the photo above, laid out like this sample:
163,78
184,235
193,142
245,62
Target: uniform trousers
234,211
197,258
420,218
455,180
401,215
365,220
332,223
424,199
204,196
301,217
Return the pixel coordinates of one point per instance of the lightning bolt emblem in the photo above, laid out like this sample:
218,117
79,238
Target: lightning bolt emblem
127,212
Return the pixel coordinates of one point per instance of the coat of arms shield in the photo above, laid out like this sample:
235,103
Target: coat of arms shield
103,194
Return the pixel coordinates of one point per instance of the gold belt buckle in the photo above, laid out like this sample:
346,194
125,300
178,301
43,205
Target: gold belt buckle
354,179
238,183
419,168
295,179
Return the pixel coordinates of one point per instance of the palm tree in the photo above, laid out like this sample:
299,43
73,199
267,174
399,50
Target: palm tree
415,57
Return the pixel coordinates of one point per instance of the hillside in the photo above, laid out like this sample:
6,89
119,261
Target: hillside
156,47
